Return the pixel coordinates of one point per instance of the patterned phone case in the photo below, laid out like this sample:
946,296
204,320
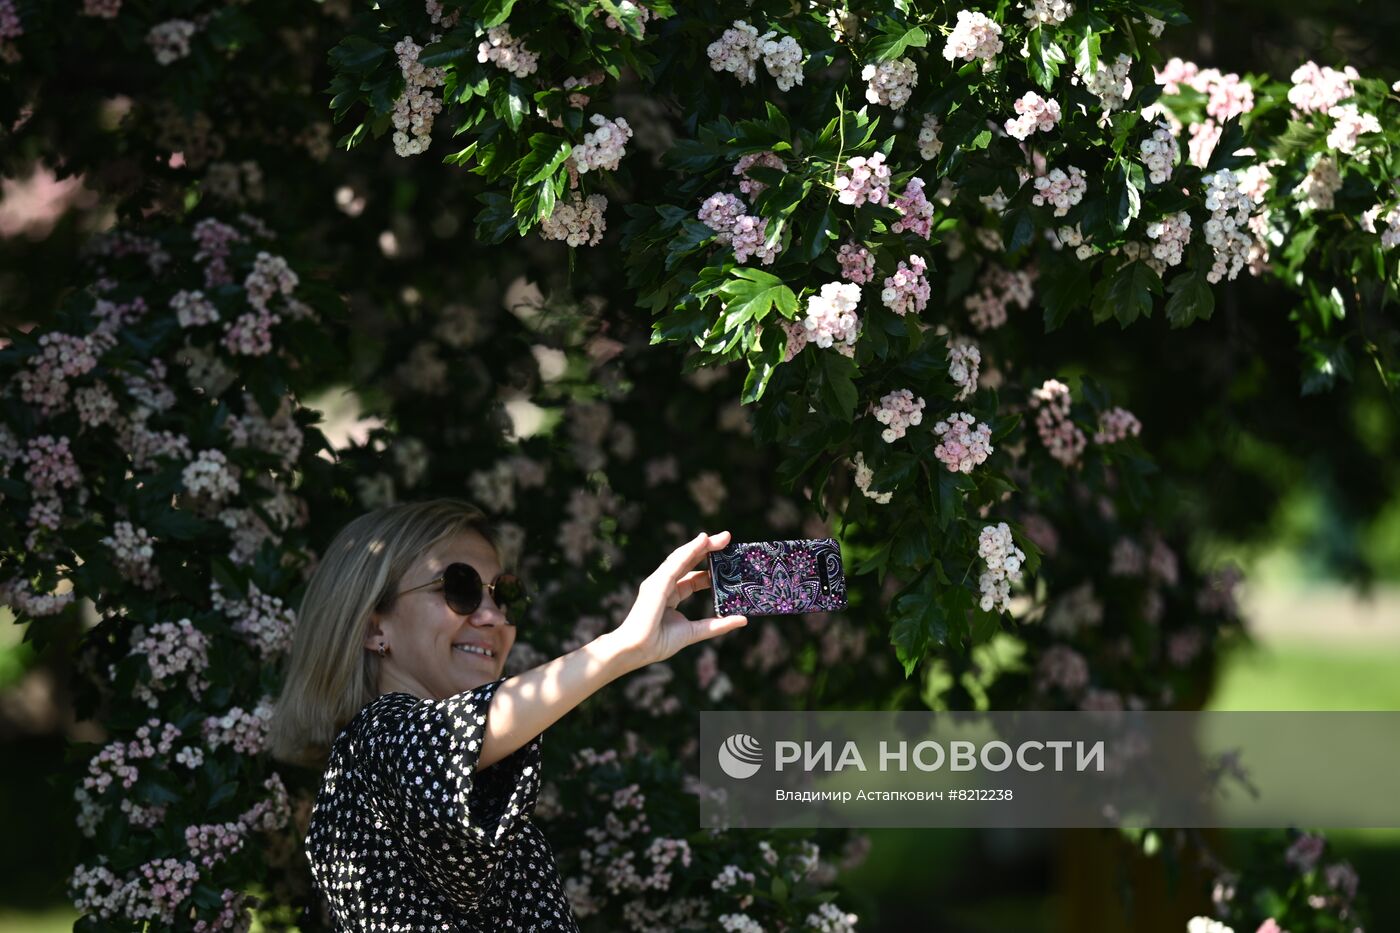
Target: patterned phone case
773,578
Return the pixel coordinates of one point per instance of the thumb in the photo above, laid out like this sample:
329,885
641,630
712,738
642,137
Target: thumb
705,629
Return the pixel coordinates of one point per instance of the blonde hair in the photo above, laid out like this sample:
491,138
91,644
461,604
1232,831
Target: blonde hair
329,675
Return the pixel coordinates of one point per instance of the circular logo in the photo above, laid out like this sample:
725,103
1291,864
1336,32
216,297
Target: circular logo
740,756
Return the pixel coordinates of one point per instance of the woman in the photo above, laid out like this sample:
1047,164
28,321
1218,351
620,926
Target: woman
432,758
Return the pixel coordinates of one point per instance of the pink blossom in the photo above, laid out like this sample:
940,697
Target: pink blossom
1033,113
750,186
908,289
916,213
866,180
899,410
857,263
831,315
962,447
1318,90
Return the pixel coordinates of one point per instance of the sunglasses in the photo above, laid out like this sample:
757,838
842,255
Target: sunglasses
462,588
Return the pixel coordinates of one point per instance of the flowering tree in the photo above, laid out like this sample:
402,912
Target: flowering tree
859,204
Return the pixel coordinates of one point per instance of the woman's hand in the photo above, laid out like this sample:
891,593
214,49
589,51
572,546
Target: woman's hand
654,629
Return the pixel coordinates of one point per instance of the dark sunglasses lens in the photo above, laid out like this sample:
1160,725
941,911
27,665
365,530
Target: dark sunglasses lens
509,592
461,588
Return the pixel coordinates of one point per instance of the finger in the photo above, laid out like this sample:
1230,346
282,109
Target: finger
688,585
688,555
704,629
694,582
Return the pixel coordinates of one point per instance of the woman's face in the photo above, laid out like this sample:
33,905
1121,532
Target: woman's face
422,629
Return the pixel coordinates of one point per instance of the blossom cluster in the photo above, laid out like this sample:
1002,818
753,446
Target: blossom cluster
1115,425
961,446
170,40
857,263
746,233
264,620
604,147
1061,436
864,474
898,410
1033,113
245,731
578,221
831,319
915,210
1227,231
1318,89
1349,127
1170,236
1159,153
767,159
866,180
783,59
1047,12
964,359
1000,288
504,51
739,48
210,476
890,83
1003,558
132,551
44,382
1060,189
1109,82
974,36
929,143
908,289
417,106
1390,237
171,649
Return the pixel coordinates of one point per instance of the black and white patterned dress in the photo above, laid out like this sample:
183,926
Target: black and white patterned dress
405,835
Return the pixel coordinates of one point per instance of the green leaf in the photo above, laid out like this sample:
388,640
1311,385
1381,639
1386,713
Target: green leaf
1045,59
841,387
1191,299
692,237
1018,228
1064,286
891,45
496,221
447,52
547,153
816,233
495,12
513,105
1127,293
751,294
918,621
628,17
357,55
1086,51
1226,152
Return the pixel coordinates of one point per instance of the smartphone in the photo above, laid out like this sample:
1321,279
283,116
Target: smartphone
774,578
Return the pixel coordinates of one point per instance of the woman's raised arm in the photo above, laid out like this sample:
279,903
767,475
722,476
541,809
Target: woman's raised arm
528,703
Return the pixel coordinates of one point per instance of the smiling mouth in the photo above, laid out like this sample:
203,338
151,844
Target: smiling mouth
475,649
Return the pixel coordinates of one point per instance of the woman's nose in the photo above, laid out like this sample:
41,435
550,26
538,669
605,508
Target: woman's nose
488,614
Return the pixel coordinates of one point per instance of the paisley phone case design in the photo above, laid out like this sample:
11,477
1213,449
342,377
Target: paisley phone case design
771,578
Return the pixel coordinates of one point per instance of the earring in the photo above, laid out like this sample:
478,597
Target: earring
383,650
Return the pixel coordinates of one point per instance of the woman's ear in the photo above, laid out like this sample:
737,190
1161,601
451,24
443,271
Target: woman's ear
375,636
